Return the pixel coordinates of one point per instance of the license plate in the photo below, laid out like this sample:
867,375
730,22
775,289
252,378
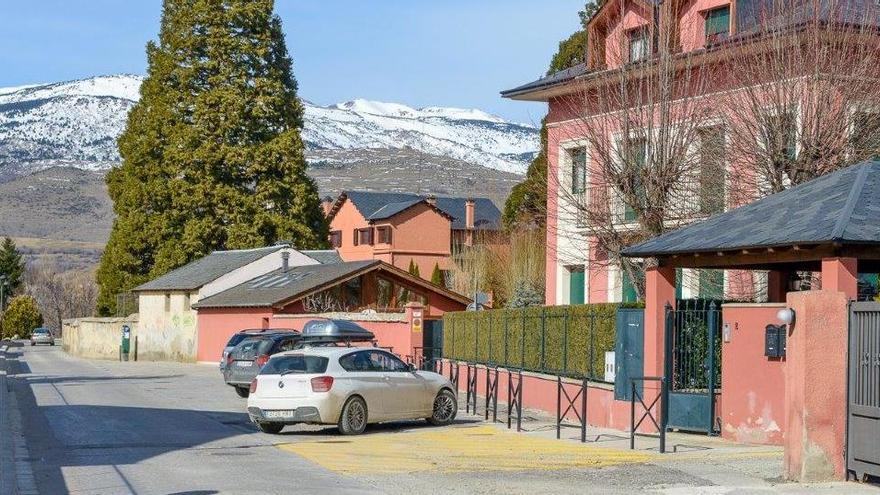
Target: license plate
278,414
244,364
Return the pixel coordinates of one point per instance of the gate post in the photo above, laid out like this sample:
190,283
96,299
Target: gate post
711,330
669,326
659,291
816,386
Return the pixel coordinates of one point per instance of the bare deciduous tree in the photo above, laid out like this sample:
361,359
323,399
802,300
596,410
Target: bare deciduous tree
327,301
640,155
59,294
803,92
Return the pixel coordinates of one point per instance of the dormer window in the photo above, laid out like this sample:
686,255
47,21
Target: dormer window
717,25
638,45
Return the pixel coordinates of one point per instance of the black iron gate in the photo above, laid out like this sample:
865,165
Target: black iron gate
863,416
693,364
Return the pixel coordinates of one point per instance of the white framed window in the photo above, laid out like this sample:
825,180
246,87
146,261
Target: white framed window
574,182
629,150
639,44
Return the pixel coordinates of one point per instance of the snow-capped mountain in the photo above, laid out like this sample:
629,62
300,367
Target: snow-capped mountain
76,123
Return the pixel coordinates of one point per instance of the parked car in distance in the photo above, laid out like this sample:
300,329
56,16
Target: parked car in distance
42,336
245,359
243,334
349,387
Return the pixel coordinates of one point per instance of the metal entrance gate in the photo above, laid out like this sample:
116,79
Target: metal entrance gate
693,364
863,416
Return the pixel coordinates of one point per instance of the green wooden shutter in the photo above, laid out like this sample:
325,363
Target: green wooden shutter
679,277
718,22
629,289
576,286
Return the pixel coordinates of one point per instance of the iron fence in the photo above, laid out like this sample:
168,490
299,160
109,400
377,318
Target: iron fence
568,341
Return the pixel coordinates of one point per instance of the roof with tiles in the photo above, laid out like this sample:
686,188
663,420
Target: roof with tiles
839,208
382,205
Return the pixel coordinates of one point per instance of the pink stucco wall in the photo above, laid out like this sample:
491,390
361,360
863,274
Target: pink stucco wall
551,232
692,22
398,335
815,387
634,16
216,326
753,386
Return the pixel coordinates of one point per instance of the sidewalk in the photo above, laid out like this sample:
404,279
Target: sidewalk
16,476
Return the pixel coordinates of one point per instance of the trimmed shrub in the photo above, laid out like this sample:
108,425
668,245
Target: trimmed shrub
564,340
22,316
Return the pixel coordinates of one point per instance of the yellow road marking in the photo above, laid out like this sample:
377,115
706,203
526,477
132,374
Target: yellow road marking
457,449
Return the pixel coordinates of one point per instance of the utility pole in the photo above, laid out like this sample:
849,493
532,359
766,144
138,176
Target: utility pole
2,293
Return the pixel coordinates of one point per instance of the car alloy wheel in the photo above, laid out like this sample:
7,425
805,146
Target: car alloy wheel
353,420
445,408
357,416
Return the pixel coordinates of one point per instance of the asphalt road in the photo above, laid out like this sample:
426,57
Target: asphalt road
95,427
98,427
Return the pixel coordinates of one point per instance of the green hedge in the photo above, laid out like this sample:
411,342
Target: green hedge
565,340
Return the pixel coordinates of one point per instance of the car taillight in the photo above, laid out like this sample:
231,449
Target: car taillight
261,360
322,383
229,359
253,388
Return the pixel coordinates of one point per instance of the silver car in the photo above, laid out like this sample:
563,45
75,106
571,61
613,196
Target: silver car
42,336
349,387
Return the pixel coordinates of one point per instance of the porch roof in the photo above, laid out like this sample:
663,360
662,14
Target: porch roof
834,215
280,288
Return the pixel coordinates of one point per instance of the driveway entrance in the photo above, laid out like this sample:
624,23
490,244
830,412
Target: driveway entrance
863,416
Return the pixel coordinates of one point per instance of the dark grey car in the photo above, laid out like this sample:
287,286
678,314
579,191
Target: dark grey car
243,334
248,357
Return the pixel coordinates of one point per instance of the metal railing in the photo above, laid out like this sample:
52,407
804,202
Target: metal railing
662,411
571,402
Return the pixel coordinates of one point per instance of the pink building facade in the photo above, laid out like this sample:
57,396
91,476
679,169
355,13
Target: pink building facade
622,35
400,229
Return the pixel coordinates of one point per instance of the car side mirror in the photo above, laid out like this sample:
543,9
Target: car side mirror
411,368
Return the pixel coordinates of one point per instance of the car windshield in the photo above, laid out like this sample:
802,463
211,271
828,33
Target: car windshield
252,347
296,363
41,330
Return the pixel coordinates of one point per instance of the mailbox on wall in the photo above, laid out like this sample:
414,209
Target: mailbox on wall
774,341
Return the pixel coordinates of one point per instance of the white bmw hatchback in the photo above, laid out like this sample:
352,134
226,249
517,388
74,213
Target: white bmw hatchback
346,386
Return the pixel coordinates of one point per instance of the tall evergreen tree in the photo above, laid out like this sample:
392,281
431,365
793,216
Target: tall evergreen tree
413,268
212,153
11,266
437,277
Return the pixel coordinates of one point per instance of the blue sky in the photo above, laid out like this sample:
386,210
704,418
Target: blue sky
417,52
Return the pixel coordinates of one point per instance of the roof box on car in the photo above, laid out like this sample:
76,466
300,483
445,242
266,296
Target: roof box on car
335,331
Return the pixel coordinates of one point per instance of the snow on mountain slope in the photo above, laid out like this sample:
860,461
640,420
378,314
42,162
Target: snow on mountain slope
77,123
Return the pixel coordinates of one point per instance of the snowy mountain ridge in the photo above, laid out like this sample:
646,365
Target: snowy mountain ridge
76,123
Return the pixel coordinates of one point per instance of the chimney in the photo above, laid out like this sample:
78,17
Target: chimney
469,214
432,200
285,261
